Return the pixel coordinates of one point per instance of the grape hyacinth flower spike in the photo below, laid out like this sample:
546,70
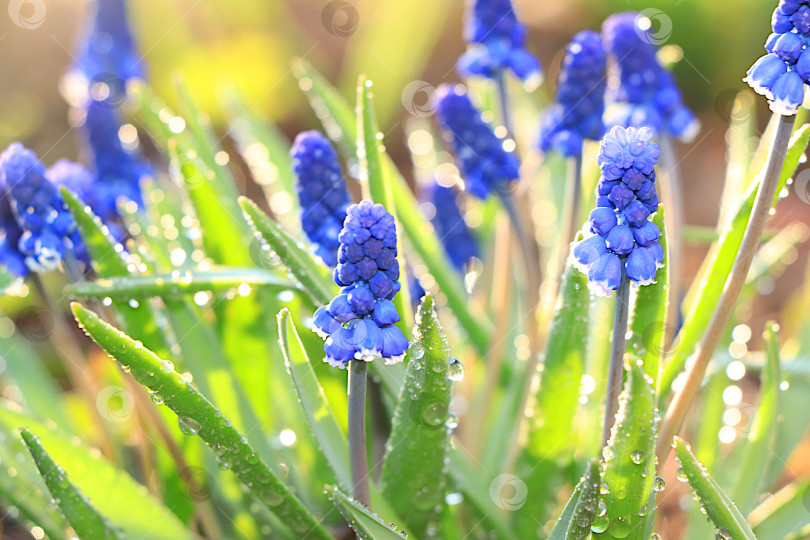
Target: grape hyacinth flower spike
484,163
49,232
496,42
456,237
781,74
358,324
645,93
619,238
321,192
580,101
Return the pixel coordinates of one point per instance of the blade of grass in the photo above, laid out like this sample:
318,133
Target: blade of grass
783,513
366,525
581,509
231,447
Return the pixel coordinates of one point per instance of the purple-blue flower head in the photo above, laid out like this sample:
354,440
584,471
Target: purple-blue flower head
645,93
358,324
580,103
496,42
108,46
48,229
484,163
619,238
781,75
456,237
321,192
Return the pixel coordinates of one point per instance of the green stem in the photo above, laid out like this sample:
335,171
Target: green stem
357,430
617,348
677,410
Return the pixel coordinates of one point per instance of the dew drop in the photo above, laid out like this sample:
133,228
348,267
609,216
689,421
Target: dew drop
659,484
416,350
620,527
681,475
455,370
637,456
189,426
600,524
166,366
157,399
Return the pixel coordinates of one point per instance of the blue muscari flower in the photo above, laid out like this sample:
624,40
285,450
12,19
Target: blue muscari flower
580,103
484,163
358,324
10,233
48,228
321,192
618,233
646,94
496,42
781,74
457,239
107,60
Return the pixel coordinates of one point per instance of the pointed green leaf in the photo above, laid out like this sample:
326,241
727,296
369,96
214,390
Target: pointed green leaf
128,505
84,519
719,507
757,453
629,457
312,276
649,326
341,126
193,409
783,513
563,367
709,286
414,477
580,511
175,285
368,526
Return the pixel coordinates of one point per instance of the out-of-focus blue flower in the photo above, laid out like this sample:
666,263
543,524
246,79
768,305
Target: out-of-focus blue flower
10,233
619,236
107,60
646,94
580,103
48,228
781,75
321,192
484,163
496,42
359,322
457,239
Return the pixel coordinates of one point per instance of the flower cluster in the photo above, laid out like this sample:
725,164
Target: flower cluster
496,42
48,229
321,192
359,322
580,103
456,237
484,162
10,233
781,74
107,60
646,94
620,240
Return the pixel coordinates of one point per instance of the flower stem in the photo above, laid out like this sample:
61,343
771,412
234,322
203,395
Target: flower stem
677,410
357,430
617,349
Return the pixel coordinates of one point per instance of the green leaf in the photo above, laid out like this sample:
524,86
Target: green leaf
649,326
709,286
83,517
7,279
581,509
301,265
193,409
368,526
341,126
414,478
719,507
128,505
331,438
757,453
176,285
564,364
783,513
629,470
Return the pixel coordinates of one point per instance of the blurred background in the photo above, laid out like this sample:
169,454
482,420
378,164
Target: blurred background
250,43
